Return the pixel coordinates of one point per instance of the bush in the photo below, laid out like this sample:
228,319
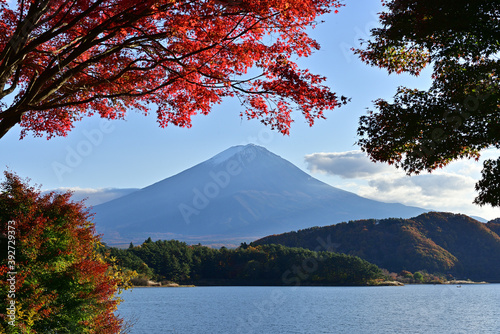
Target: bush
62,284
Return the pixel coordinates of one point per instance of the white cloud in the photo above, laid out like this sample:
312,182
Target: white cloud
439,191
436,184
96,196
448,189
348,165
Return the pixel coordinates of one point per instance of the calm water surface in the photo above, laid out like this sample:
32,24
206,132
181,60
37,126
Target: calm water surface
470,309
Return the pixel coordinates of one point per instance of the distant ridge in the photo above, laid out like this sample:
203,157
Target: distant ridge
240,194
437,242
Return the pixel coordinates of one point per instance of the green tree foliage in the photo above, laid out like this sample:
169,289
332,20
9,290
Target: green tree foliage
127,260
262,265
459,115
418,276
61,284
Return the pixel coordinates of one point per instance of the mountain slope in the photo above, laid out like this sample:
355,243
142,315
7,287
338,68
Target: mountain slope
435,241
239,195
494,225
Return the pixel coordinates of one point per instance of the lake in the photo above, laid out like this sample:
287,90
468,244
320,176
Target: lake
408,309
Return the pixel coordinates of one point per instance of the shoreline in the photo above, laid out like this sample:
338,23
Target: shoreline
459,282
381,283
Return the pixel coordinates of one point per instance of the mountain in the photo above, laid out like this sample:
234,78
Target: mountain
494,225
241,194
437,242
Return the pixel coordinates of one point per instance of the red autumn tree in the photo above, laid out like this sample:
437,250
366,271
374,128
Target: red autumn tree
61,60
52,279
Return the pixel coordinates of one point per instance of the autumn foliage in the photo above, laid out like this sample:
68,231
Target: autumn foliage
434,242
62,285
61,60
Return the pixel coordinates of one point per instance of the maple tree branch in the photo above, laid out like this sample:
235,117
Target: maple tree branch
88,41
100,81
13,85
153,38
64,55
56,12
83,46
59,29
105,96
10,56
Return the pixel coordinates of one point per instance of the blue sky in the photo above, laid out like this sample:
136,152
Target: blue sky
135,153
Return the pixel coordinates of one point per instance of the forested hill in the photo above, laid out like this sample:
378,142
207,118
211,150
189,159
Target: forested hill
262,265
494,225
436,242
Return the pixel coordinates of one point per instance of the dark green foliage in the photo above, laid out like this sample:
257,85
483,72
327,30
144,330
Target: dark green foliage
459,116
489,185
130,261
262,265
435,242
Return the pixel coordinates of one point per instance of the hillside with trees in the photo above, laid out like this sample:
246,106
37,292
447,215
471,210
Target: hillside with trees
434,242
494,225
179,262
